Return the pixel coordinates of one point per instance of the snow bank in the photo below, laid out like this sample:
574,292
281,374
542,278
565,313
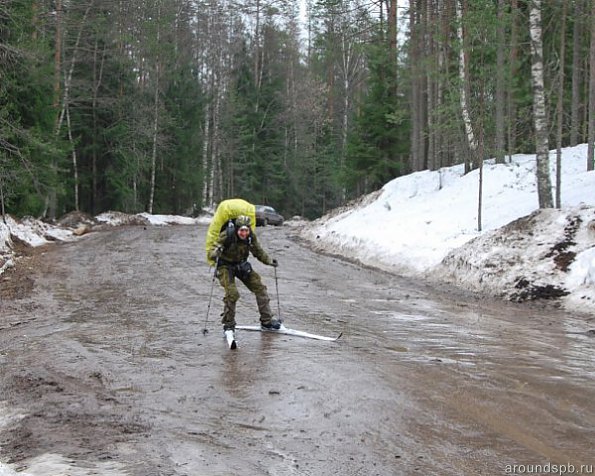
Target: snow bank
426,224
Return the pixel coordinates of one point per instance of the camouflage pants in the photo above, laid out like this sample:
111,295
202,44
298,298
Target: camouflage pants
252,281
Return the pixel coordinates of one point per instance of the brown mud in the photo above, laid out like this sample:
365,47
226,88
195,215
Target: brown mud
105,369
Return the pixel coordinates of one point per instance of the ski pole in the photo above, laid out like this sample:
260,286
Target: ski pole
205,330
277,292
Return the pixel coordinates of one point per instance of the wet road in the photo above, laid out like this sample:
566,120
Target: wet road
105,370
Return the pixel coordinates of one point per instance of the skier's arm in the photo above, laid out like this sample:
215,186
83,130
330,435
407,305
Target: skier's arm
217,250
259,253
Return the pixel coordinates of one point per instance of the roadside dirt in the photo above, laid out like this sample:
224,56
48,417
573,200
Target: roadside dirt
105,369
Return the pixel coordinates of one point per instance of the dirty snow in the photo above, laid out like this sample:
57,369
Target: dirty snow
426,224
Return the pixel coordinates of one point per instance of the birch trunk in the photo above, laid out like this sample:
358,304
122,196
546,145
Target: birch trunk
74,162
346,89
97,78
65,106
350,69
155,117
544,188
68,77
155,134
207,196
216,144
463,80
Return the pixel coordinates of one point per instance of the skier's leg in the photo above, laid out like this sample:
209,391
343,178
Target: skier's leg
227,280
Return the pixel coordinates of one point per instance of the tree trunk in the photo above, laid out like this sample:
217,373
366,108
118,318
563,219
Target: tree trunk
544,188
418,152
350,63
560,107
511,104
590,153
392,36
576,72
65,110
207,191
415,114
52,197
430,81
584,121
58,55
215,147
156,116
464,85
444,55
155,134
75,170
257,47
3,211
500,97
97,78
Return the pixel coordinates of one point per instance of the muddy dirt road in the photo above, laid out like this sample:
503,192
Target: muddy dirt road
105,370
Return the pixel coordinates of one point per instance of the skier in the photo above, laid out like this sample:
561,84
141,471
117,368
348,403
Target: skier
230,252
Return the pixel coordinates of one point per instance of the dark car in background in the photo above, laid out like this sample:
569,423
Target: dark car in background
266,215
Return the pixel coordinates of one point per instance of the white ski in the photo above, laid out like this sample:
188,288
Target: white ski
230,336
290,332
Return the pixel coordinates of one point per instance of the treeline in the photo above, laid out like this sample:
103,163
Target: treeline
171,106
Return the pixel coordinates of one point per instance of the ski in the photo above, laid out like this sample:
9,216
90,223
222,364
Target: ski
231,339
290,332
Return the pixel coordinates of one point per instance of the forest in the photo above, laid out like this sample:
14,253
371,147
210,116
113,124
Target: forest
171,106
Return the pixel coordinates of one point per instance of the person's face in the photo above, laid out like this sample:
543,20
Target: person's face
244,232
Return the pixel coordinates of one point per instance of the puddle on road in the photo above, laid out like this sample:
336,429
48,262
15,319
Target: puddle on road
55,464
467,337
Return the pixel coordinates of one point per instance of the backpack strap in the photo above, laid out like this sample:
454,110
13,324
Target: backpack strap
230,229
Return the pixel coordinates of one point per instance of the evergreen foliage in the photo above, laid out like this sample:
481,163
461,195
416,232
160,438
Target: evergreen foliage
238,102
379,142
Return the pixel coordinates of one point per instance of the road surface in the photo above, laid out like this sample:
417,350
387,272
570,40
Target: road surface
105,369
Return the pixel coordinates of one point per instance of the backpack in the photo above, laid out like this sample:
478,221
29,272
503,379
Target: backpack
226,210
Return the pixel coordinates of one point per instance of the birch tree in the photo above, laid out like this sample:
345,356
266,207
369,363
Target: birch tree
157,75
65,106
464,86
544,189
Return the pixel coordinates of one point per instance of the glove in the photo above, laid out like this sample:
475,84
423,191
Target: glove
274,263
216,252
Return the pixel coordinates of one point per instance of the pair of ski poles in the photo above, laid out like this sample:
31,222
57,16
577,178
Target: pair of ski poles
205,331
